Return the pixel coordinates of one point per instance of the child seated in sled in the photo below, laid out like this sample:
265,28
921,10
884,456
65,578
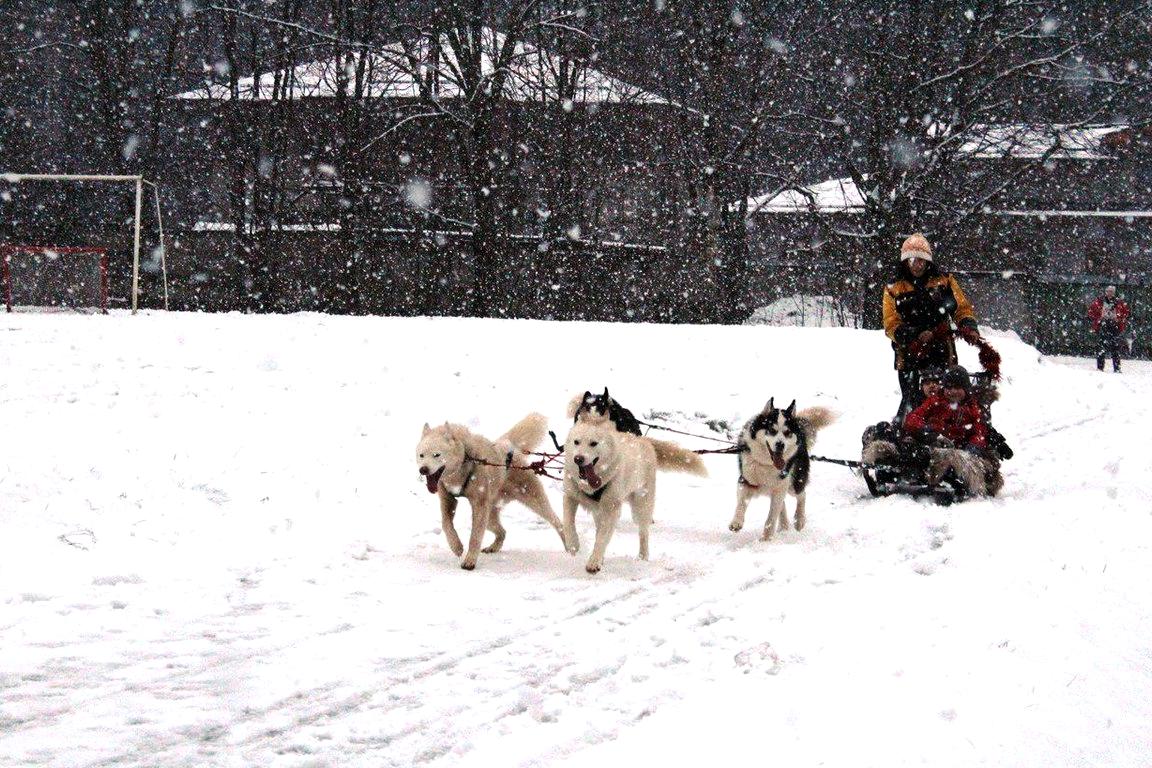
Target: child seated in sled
954,427
885,443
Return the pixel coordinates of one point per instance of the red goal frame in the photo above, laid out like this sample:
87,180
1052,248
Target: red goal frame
6,251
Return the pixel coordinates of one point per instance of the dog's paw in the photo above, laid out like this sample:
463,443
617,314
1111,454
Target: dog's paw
571,542
592,568
767,535
491,548
800,522
735,526
468,566
457,549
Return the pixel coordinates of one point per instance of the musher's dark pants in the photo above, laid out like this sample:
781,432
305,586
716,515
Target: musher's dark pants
910,394
1109,347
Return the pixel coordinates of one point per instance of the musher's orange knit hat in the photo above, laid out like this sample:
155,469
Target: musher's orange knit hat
916,246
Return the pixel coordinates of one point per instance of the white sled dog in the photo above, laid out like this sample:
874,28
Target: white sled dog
454,462
603,469
773,460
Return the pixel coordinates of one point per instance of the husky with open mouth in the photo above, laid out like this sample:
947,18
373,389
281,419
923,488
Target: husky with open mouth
773,460
605,468
455,462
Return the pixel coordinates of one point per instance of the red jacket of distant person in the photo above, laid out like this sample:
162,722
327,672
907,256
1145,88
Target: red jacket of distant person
1106,309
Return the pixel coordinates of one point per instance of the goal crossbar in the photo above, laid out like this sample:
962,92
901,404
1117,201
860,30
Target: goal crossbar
6,251
139,182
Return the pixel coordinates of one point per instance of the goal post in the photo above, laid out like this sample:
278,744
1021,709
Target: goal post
138,182
74,277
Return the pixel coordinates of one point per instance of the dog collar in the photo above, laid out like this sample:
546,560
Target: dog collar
787,467
595,496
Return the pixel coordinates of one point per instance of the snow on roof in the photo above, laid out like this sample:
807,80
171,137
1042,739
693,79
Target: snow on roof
1027,141
533,76
843,196
224,226
833,195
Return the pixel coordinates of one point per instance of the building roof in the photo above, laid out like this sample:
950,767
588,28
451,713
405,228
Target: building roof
1028,141
1015,141
533,76
843,196
452,234
838,195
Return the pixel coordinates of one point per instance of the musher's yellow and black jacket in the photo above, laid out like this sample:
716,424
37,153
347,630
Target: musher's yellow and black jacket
929,303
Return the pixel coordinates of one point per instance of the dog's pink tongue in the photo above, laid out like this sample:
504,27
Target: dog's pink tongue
588,475
777,459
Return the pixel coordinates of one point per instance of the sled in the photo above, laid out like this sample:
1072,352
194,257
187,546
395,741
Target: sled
907,474
888,481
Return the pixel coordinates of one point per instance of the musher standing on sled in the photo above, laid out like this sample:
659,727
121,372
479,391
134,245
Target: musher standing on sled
919,309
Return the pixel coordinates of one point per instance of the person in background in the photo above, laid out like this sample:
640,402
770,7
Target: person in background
920,306
1109,318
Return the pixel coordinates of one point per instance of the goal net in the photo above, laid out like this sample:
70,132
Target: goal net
66,207
38,277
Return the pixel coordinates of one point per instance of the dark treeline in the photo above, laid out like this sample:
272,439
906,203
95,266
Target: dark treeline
465,127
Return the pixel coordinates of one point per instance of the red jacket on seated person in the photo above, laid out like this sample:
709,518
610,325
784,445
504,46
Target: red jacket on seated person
961,422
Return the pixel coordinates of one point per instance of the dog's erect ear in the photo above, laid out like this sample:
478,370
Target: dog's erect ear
427,429
769,407
588,396
791,409
606,393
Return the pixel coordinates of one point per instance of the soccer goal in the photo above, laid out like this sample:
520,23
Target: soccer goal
54,277
68,276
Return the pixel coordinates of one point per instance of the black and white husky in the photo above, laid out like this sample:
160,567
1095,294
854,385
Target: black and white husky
774,460
597,409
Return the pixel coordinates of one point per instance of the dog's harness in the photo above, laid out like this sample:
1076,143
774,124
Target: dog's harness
740,463
464,486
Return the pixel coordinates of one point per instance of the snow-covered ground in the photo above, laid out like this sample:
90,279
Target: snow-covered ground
215,551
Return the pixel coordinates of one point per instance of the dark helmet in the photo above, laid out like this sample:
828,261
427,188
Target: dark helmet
931,374
956,376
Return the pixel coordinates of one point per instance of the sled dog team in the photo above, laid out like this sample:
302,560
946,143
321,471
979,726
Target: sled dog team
607,463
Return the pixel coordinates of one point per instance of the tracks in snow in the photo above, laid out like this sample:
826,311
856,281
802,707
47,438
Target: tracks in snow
586,670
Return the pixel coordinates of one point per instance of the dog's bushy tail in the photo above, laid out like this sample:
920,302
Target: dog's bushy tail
574,405
815,419
673,458
528,432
